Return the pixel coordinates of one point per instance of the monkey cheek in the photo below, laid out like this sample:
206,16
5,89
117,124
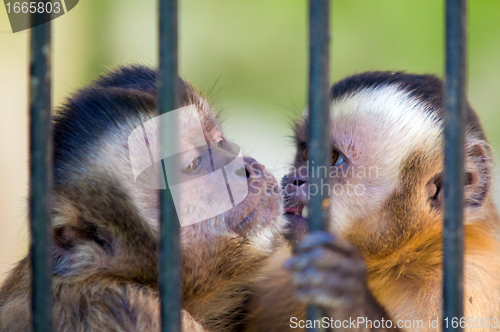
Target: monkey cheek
243,209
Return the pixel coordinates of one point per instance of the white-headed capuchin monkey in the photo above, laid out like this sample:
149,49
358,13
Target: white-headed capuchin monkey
105,227
383,260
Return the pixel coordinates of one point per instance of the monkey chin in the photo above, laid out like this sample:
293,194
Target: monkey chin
297,225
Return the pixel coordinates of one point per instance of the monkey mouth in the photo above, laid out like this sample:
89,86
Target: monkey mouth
297,216
297,210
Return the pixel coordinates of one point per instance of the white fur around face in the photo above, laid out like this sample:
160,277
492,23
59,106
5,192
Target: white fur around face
376,130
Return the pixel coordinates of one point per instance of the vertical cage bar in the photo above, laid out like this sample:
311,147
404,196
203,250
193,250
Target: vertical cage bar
454,178
40,173
319,146
170,257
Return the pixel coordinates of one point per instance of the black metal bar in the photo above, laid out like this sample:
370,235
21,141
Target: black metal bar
319,145
453,181
40,174
170,257
319,141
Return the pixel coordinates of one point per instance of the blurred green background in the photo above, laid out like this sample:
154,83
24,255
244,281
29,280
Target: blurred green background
251,55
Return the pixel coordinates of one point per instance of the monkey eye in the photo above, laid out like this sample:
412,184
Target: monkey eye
337,158
193,165
220,144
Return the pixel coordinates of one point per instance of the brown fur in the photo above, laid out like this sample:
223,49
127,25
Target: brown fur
105,228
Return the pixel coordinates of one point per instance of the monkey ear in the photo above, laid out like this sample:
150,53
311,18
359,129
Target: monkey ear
67,237
477,178
73,245
434,191
477,173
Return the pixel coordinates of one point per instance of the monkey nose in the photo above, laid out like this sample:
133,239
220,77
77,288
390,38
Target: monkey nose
298,182
243,172
252,168
295,179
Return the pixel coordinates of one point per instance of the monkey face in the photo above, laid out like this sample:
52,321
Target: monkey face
376,135
220,169
255,207
253,200
386,168
207,177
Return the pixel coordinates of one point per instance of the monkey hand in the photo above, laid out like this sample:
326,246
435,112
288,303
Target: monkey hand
328,272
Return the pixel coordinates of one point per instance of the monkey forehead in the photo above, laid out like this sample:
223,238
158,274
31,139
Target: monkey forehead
184,128
384,124
194,129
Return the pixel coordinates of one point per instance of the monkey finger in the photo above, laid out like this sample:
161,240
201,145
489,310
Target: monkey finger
318,297
318,257
332,294
302,260
330,261
335,285
337,281
327,259
325,239
313,240
307,276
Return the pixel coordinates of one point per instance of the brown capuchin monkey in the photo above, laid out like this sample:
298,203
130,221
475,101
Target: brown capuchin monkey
106,227
380,268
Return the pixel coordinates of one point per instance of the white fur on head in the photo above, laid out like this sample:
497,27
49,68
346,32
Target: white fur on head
377,129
